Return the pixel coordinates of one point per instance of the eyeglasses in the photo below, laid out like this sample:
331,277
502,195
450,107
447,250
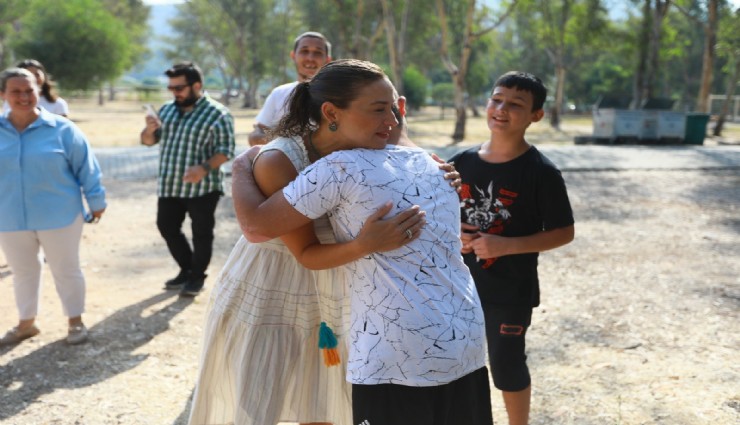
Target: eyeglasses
178,88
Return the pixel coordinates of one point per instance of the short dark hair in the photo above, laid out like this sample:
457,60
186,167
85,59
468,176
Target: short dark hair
313,34
526,82
190,70
338,82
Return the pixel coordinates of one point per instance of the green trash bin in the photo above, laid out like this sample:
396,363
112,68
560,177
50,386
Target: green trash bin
696,128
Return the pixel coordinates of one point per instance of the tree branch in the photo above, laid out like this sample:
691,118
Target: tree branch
500,21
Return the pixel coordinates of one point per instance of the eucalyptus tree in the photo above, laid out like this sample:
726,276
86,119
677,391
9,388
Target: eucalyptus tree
704,14
231,36
135,15
648,63
79,41
10,13
461,24
354,27
396,38
728,47
565,29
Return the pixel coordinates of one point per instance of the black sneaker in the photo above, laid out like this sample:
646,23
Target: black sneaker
178,281
193,286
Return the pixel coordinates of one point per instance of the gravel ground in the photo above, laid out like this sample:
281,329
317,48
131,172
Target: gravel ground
638,325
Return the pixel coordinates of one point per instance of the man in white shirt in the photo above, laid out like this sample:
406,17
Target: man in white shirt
311,51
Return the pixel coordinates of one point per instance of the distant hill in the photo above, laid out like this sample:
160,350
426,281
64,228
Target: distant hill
158,22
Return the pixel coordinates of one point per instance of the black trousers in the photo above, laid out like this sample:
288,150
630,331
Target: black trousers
170,216
466,401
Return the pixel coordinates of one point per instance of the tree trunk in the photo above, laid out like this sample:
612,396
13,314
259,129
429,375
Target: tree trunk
473,107
460,110
250,94
642,47
732,82
653,60
396,41
101,96
559,95
460,119
111,92
710,41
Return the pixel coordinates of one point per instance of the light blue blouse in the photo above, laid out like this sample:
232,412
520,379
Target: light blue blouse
44,171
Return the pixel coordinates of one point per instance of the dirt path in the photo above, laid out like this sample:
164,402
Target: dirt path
639,322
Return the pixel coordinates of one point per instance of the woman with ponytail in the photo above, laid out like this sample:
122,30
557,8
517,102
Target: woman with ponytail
273,348
417,334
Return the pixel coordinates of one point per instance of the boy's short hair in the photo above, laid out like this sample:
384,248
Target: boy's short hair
527,82
191,71
313,34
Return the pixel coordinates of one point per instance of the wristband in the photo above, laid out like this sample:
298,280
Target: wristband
206,166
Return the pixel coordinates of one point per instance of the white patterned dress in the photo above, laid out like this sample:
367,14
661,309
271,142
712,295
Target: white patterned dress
260,362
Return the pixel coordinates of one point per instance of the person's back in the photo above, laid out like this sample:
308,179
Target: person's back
421,294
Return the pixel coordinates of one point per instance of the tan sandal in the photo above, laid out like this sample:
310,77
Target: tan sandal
16,335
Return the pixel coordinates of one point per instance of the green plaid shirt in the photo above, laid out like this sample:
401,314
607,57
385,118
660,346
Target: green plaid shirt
190,139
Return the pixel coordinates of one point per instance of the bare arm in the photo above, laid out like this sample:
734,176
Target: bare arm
263,210
491,246
377,235
258,136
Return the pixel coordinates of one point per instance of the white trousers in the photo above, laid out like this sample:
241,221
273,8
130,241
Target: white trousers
62,252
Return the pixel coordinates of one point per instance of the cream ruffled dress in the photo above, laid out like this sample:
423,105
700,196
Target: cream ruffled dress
261,363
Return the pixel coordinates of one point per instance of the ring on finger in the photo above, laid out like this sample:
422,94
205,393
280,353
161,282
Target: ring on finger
409,234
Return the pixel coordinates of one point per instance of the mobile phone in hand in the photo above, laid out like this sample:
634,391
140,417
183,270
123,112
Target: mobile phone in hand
150,111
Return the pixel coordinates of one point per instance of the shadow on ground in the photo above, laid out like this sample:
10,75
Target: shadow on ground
118,336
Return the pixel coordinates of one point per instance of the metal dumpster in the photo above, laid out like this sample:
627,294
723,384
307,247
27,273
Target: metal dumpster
696,129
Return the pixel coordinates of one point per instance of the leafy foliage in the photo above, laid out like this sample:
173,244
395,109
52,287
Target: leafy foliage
415,84
79,40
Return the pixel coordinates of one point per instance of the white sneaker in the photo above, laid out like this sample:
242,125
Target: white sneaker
77,334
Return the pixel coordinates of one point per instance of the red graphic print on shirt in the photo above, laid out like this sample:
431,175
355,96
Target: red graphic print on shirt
486,210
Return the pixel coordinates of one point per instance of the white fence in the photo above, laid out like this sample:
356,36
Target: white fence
715,106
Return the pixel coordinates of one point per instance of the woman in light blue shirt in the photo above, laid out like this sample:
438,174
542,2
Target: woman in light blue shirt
47,166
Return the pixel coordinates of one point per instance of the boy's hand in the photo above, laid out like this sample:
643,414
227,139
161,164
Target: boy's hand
469,232
451,173
488,246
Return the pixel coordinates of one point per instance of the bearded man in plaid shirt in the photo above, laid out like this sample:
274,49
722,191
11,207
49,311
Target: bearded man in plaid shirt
196,136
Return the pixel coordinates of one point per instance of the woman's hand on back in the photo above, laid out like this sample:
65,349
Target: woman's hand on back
380,235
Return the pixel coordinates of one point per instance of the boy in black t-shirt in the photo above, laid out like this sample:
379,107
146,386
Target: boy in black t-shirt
514,205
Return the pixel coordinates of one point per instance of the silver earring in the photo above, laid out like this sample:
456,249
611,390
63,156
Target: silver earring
333,126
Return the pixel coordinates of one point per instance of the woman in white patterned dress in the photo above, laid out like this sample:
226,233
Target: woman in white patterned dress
260,362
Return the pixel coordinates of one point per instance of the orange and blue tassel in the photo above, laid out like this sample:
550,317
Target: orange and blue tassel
328,343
